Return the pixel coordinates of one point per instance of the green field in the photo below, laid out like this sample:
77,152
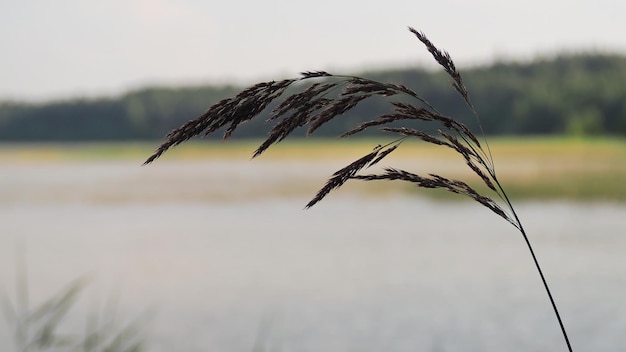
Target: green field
529,168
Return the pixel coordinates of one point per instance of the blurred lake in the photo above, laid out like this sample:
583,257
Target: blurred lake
224,256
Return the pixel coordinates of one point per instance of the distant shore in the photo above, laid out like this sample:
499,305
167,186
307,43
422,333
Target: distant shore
545,168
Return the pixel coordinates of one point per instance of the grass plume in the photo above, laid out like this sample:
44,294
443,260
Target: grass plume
329,96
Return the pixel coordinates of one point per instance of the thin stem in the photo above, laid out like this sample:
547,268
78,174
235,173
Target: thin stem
532,253
492,165
397,141
545,284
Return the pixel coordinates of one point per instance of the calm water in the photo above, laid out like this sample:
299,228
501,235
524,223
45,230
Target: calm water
222,256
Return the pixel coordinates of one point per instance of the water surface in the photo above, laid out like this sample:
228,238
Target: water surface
225,259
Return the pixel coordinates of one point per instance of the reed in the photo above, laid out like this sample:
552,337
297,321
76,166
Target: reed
38,328
328,96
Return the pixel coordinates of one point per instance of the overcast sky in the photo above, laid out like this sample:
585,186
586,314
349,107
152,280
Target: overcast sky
71,48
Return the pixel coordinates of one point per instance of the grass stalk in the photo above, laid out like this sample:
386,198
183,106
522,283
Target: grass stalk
325,97
537,266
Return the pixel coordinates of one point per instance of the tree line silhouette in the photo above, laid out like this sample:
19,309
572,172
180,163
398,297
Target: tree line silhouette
574,94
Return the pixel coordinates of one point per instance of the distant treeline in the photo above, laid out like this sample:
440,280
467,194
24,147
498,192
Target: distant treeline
568,94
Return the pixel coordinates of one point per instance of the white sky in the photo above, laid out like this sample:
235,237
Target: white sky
71,48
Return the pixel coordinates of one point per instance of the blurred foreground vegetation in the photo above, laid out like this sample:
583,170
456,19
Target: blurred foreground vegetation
40,328
577,95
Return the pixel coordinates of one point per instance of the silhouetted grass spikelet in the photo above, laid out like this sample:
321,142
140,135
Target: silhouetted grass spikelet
340,177
338,107
418,134
297,100
246,105
315,74
251,102
380,120
405,111
482,175
383,154
357,85
466,152
444,59
437,181
299,118
302,106
404,89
